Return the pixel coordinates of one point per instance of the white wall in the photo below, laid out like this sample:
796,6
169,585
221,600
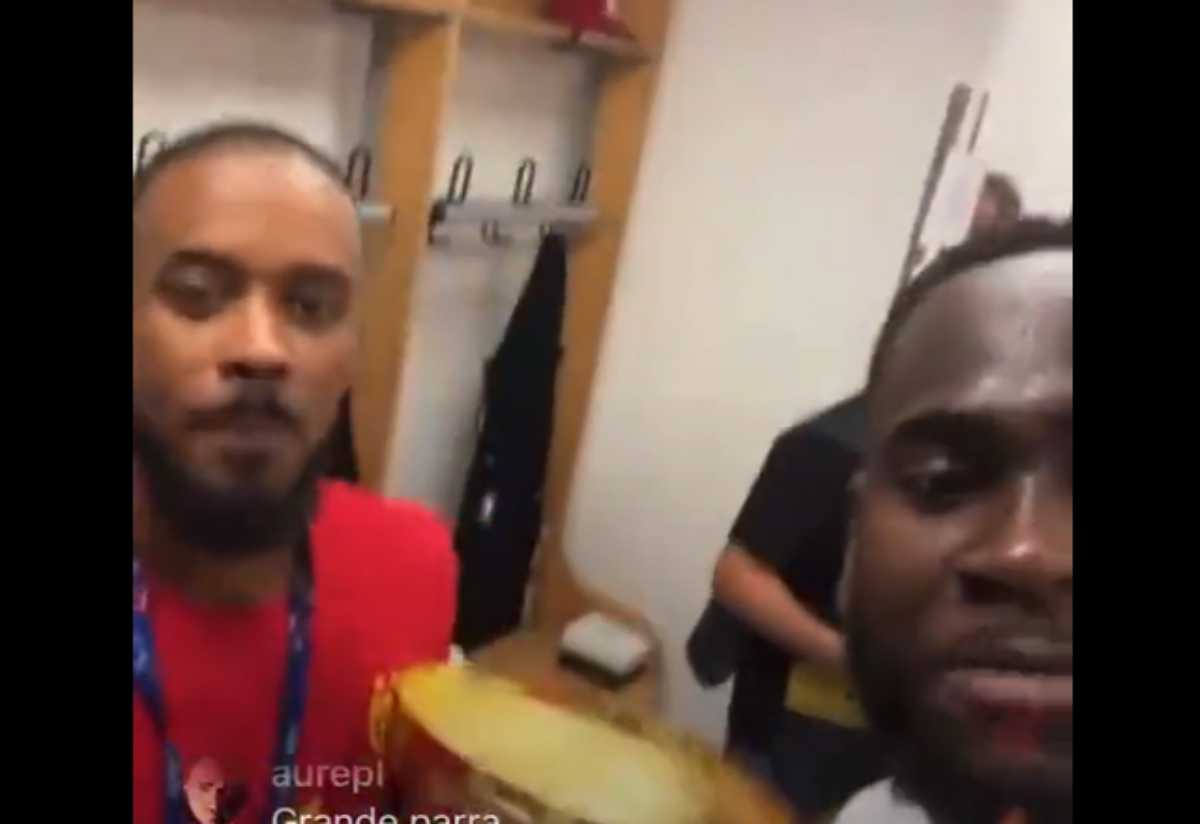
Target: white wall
782,174
294,62
1030,126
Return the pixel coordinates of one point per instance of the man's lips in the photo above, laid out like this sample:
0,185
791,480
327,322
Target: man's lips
251,424
997,690
247,425
1018,693
1016,671
1021,715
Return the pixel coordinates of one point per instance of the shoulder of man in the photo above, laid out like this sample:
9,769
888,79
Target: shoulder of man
838,432
844,422
389,555
878,804
405,530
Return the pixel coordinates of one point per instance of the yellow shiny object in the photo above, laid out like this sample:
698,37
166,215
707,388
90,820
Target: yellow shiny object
573,766
819,692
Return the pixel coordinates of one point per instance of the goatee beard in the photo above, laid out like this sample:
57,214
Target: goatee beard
229,522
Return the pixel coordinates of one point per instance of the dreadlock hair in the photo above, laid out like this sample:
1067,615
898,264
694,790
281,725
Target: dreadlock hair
232,133
1025,236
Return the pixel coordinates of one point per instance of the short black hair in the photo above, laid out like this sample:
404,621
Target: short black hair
1026,235
229,133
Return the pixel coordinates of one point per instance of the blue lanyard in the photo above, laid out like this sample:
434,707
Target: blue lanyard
147,682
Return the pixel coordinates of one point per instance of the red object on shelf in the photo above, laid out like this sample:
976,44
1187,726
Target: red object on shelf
601,16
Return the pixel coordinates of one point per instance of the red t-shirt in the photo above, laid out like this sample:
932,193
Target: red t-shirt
385,583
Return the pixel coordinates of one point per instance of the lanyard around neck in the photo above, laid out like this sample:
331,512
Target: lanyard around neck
147,681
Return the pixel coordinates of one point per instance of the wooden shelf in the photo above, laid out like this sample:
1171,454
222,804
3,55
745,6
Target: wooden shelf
502,22
512,23
553,33
530,657
419,8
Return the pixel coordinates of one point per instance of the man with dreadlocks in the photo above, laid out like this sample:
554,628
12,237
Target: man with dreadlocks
266,602
959,590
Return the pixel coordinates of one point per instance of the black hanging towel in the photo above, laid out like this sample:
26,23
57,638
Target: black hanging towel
501,514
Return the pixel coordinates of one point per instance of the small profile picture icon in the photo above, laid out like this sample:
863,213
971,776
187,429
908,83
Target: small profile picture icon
211,798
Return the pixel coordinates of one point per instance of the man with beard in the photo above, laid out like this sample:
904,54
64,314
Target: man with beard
266,602
959,590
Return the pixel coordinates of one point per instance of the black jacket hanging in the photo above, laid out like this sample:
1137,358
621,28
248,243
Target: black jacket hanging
501,514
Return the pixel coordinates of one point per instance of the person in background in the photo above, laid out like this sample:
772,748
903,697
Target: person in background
203,788
267,602
998,208
778,576
959,588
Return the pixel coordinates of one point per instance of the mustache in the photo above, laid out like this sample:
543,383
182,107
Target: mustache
1033,648
251,399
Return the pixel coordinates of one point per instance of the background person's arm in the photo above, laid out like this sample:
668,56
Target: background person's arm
783,525
757,595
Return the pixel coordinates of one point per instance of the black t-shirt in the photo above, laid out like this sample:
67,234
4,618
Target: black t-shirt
795,521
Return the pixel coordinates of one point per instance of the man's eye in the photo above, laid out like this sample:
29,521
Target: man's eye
195,293
316,305
940,484
306,309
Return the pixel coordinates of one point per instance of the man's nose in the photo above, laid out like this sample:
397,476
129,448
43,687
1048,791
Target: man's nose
257,346
1024,554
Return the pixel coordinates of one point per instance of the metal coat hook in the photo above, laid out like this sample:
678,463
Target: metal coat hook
436,215
154,136
492,236
523,186
582,184
578,196
460,178
360,163
456,194
493,215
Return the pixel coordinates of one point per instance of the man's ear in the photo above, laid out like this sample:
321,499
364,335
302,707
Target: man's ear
854,491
